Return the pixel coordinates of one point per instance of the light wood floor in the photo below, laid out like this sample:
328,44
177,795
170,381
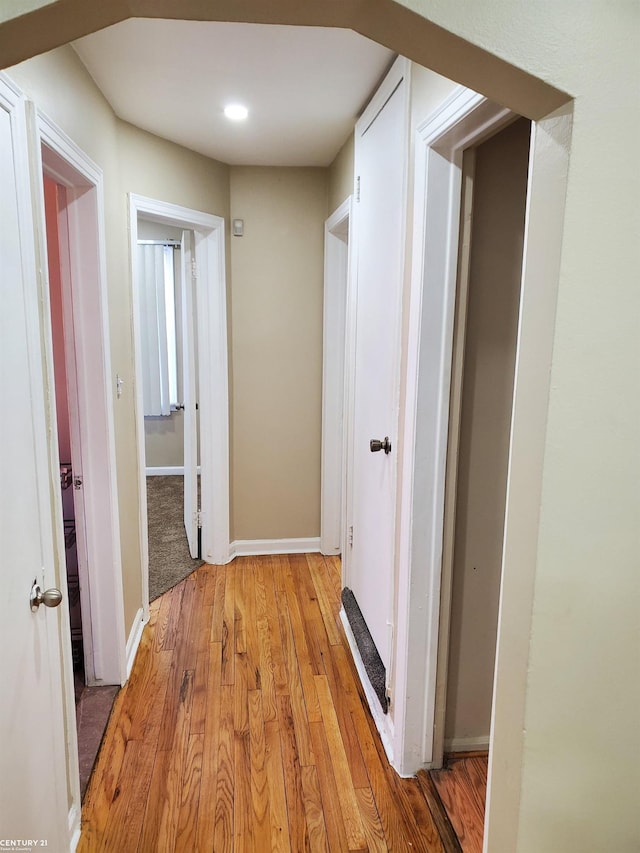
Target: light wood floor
243,727
462,787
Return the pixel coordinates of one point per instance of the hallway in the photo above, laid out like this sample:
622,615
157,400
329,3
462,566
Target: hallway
244,727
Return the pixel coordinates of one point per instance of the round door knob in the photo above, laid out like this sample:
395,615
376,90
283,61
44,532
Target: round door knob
376,445
50,598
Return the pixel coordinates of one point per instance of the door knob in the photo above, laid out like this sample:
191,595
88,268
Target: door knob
50,598
375,445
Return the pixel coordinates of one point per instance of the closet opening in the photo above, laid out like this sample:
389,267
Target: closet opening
169,378
93,701
492,226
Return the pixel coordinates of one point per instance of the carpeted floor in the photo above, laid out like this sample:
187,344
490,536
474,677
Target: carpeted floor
169,558
93,707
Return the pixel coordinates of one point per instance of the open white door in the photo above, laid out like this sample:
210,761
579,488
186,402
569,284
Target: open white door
190,396
34,803
379,213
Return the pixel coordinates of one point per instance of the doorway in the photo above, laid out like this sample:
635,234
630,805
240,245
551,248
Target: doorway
206,261
494,191
93,701
81,443
170,394
335,396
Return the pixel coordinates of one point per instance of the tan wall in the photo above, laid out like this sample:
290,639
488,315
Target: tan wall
277,274
62,88
580,687
341,175
497,234
132,161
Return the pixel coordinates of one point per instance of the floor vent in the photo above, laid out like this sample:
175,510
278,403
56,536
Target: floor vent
370,658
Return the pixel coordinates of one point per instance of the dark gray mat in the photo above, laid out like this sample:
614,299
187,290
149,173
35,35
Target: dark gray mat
370,658
169,558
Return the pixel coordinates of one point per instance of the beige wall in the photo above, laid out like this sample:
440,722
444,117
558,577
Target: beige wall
62,88
132,161
277,274
341,175
497,233
573,787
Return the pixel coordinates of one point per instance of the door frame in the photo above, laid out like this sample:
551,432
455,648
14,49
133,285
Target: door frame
211,307
463,120
337,274
84,285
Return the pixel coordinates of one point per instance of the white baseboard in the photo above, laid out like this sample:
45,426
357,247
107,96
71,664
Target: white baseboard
74,828
384,722
134,639
167,471
466,744
259,547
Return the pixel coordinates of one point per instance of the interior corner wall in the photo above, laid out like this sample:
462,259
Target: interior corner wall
276,350
340,175
132,161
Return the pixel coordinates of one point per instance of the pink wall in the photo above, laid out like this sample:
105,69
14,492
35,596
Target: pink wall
51,204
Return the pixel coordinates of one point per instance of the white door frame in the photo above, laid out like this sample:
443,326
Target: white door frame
337,263
85,283
211,309
464,120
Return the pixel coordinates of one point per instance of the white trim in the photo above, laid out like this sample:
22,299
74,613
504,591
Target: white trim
259,547
466,744
384,722
75,827
212,358
167,471
133,641
463,120
336,277
61,158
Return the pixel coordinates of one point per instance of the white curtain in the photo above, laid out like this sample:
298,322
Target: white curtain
155,363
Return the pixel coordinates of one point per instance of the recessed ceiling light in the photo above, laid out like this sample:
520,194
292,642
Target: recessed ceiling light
236,112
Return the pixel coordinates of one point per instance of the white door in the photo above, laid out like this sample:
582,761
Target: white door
190,396
33,802
380,212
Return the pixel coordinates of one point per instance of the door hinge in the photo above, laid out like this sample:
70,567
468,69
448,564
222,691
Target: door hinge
388,693
194,269
198,518
351,536
358,188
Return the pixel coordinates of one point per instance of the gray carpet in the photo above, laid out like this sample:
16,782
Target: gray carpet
169,558
370,658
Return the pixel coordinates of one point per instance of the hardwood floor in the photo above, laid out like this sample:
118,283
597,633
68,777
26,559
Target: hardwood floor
244,727
462,788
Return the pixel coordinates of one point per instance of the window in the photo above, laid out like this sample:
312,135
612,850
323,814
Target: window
159,341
